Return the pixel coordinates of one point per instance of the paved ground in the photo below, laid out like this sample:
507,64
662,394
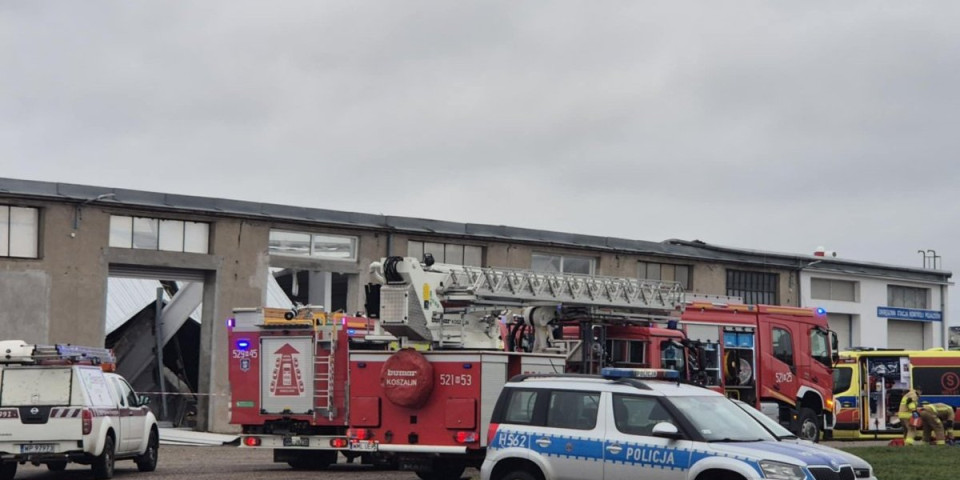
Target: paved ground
202,463
208,463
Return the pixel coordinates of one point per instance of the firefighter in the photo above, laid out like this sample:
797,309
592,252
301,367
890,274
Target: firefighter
908,408
944,421
946,413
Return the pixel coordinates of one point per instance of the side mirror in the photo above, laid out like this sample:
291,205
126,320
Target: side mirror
143,401
666,430
834,348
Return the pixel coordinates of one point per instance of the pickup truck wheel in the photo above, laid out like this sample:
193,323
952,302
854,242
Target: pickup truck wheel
57,466
103,464
148,461
8,470
809,427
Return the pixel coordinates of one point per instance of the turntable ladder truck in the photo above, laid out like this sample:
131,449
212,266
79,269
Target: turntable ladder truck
414,385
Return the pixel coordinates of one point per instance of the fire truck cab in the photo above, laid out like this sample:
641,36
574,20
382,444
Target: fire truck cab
778,359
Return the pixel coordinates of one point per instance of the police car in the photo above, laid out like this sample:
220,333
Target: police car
636,423
861,468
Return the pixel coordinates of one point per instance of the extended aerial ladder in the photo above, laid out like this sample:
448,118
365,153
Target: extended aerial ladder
20,352
457,306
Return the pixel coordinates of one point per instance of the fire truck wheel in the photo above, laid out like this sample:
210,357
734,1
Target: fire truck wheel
103,464
57,466
809,428
8,470
444,470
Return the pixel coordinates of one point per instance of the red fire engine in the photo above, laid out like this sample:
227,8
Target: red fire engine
413,386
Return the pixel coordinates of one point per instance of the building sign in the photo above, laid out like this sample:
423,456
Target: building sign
896,313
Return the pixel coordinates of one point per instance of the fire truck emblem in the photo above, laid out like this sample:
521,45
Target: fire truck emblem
286,380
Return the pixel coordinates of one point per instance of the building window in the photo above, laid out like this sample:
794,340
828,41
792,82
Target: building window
543,262
829,289
159,234
447,252
753,287
19,232
665,271
907,297
316,245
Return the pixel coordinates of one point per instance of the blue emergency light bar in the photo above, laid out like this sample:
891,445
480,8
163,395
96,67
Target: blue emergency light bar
639,373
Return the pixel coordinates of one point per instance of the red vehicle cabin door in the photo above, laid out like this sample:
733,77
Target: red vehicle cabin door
779,345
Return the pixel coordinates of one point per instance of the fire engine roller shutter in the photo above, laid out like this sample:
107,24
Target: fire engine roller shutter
903,334
407,378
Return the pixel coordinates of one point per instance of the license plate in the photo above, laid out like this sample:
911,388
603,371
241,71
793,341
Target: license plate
296,441
363,446
37,448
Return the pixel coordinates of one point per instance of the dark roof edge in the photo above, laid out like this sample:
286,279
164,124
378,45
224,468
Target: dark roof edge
673,248
800,259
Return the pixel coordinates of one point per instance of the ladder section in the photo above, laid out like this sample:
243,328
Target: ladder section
499,285
451,332
323,372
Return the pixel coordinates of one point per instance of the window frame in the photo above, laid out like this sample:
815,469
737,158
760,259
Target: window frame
446,247
563,258
123,234
9,232
832,289
916,292
753,287
311,252
644,268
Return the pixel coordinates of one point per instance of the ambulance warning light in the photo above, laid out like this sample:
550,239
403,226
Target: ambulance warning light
640,373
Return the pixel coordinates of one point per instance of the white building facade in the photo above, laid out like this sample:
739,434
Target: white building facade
880,306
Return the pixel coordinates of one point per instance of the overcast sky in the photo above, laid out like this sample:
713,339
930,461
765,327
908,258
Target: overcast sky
764,125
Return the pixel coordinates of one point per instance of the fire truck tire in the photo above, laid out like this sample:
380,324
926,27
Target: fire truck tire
8,470
444,470
57,466
809,427
103,464
148,461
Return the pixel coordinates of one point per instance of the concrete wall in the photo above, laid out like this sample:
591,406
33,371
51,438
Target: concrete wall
55,297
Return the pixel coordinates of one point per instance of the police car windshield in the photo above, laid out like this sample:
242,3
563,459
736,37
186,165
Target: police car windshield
770,424
718,419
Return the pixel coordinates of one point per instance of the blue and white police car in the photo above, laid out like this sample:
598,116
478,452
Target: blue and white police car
636,423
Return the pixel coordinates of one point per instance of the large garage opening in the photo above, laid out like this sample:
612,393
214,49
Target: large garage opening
153,323
905,334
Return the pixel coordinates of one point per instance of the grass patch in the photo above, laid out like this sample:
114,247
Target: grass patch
918,462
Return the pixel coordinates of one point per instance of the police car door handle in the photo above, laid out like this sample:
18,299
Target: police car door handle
614,449
543,442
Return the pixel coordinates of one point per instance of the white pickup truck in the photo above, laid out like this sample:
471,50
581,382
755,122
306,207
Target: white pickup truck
58,413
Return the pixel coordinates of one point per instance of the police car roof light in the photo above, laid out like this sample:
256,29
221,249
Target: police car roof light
639,373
